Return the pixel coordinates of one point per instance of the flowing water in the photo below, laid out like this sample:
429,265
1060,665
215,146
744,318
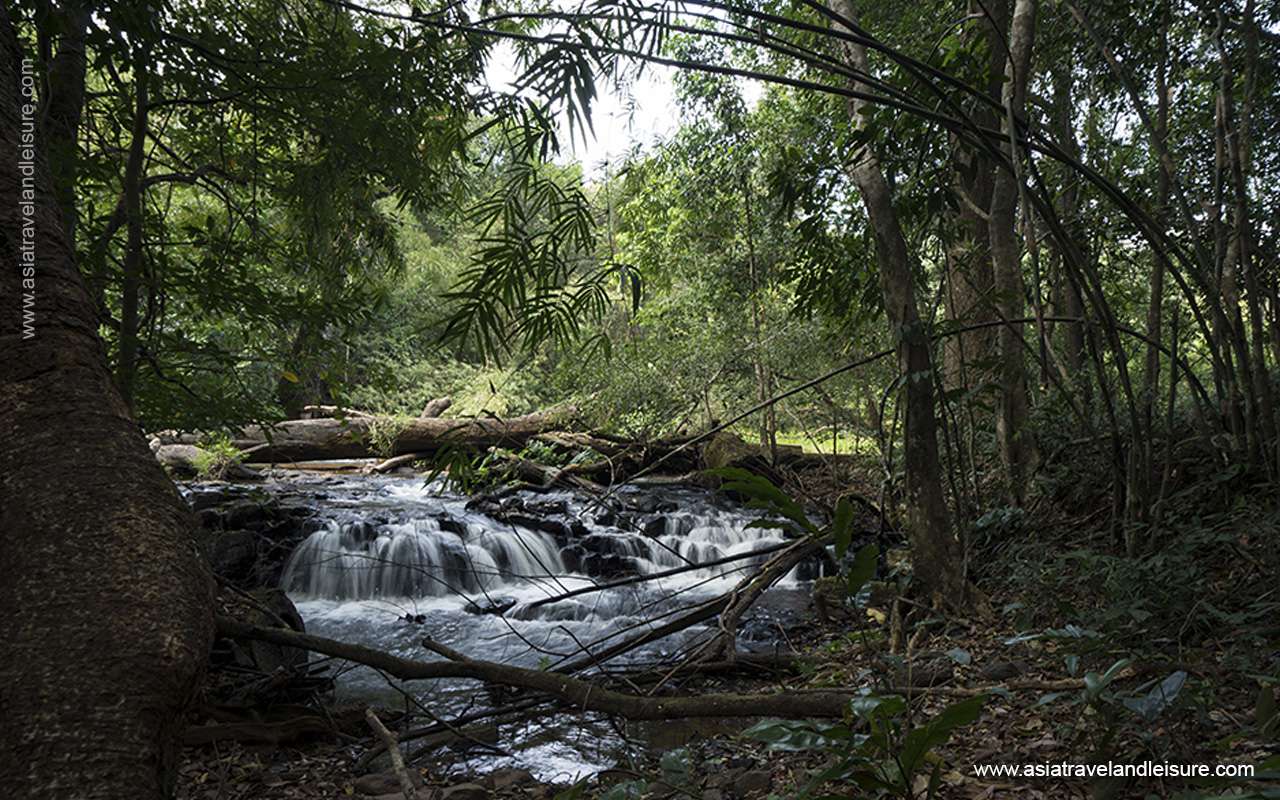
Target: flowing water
394,560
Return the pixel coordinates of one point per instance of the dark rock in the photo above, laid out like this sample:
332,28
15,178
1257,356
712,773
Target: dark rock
452,525
493,605
209,498
276,607
608,565
233,555
245,514
465,791
209,519
655,527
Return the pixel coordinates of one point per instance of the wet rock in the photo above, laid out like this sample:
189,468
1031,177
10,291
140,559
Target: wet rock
452,525
493,605
655,527
465,791
608,565
246,514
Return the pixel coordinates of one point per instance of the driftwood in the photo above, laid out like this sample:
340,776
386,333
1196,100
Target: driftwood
394,462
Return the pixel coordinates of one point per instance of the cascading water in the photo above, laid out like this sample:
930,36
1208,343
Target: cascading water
394,559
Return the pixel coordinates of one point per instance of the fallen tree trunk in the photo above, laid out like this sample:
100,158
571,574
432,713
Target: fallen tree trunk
354,437
580,694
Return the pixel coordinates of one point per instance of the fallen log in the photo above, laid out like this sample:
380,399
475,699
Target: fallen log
361,437
575,692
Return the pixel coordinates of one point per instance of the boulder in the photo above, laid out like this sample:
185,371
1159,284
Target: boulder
233,556
265,656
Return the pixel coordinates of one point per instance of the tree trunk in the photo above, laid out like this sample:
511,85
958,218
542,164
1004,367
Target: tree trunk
1006,256
936,552
62,106
970,282
131,287
364,436
105,607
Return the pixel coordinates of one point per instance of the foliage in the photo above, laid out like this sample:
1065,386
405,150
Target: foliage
883,760
216,456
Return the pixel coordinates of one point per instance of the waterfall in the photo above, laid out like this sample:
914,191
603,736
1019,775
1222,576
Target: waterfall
354,561
415,557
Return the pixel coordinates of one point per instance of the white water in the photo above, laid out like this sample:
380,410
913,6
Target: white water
382,553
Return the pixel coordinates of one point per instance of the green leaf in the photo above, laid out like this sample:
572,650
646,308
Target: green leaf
842,526
863,568
921,740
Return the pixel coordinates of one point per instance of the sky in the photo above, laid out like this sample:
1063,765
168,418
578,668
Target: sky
643,113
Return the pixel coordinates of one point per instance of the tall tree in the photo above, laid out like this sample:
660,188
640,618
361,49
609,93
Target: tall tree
105,606
1014,435
937,559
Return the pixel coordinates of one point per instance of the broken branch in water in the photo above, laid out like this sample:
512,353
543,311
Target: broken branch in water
578,693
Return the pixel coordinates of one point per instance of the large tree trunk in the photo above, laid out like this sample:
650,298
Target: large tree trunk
105,608
936,552
1006,255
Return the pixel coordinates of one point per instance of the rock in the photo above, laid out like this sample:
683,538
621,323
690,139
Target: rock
655,527
493,605
233,556
269,657
713,794
383,783
180,459
751,783
465,791
506,778
246,514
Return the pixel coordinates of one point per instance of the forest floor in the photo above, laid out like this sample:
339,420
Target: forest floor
1090,658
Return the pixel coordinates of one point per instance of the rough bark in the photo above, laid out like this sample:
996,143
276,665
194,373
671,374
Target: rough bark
63,105
105,608
936,552
353,437
1006,256
970,281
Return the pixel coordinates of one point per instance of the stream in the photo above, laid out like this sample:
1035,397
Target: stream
393,560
